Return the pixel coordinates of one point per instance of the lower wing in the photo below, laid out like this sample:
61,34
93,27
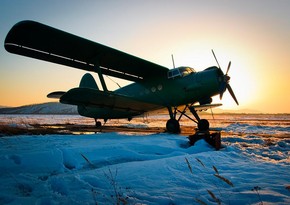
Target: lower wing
94,98
205,106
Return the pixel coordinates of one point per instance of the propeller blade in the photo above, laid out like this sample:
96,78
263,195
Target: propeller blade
215,58
221,95
228,67
232,93
222,89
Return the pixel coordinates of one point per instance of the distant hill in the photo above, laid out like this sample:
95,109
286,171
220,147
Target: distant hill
45,108
3,107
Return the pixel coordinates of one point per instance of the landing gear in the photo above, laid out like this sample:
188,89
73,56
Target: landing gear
203,125
173,126
203,132
98,123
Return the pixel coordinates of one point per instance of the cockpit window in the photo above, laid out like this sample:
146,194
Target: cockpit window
180,72
186,71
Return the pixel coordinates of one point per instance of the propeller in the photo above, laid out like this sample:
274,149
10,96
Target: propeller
225,79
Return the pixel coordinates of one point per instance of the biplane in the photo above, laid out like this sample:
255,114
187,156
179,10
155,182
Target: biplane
153,86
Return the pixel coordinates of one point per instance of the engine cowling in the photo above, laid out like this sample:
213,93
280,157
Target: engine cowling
205,101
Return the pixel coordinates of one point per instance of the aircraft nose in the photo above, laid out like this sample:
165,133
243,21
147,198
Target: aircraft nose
224,81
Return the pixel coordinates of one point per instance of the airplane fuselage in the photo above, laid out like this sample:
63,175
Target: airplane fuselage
163,92
194,87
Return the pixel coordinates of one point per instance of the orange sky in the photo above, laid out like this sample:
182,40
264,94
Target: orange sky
254,35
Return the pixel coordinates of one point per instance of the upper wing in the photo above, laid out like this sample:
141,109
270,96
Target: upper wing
43,42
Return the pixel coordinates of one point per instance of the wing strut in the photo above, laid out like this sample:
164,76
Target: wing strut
101,77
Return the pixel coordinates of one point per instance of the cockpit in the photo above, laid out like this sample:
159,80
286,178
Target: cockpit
180,72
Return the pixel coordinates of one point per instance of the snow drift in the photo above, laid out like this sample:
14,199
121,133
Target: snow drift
128,168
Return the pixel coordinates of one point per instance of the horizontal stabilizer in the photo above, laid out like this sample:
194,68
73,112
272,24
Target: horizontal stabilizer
56,95
205,106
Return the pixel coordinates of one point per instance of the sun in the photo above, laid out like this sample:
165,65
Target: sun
243,80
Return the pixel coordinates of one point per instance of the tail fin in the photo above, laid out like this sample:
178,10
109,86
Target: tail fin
88,81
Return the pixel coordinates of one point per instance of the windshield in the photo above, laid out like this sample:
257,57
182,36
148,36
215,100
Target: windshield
180,72
186,71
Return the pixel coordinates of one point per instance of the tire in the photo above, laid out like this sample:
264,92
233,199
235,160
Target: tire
98,124
203,125
172,126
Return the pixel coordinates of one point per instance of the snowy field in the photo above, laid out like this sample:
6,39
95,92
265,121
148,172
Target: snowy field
159,168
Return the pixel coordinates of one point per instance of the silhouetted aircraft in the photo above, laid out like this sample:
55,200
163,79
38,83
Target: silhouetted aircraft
154,86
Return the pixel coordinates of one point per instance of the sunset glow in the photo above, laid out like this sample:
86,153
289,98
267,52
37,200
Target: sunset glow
255,40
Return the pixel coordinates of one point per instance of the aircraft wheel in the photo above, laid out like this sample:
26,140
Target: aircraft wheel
203,125
98,124
173,126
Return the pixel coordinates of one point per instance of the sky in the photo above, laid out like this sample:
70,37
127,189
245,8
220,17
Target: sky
253,34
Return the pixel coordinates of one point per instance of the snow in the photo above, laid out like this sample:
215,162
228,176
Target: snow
121,168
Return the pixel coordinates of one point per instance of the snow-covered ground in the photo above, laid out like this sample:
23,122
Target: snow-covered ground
118,168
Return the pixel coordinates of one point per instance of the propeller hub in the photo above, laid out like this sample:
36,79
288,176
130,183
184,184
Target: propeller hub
227,78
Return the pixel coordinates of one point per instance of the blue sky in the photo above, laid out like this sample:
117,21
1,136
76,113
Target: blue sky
254,35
